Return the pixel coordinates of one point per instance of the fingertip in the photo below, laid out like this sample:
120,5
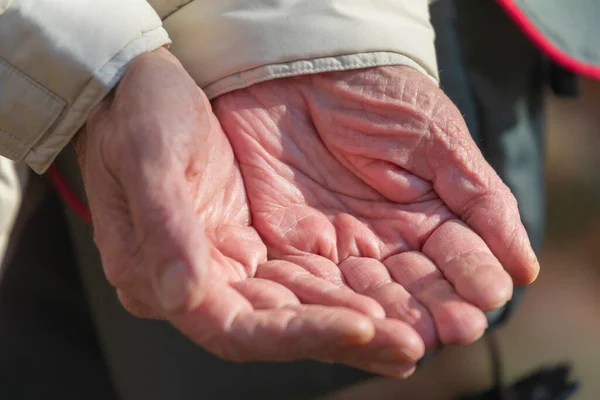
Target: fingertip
414,346
464,327
497,298
361,332
478,329
429,335
533,273
517,256
528,273
495,293
406,345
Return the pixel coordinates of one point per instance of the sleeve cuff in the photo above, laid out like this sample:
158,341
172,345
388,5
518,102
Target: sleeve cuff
227,46
58,59
314,66
73,117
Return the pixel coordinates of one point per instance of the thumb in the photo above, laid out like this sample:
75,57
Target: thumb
169,235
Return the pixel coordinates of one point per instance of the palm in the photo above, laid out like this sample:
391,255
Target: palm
244,297
327,232
343,213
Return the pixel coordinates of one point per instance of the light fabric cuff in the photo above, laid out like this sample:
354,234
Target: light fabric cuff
59,58
231,44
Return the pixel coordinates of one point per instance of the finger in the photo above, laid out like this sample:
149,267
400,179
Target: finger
173,248
226,325
457,321
264,294
314,290
319,266
471,188
392,352
466,261
390,180
371,278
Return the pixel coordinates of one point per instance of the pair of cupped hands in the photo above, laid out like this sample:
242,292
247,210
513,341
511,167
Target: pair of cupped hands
345,217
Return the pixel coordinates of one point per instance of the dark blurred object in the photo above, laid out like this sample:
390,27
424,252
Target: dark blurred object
549,383
563,82
545,384
47,339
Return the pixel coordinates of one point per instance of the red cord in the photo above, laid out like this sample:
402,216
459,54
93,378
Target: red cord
69,196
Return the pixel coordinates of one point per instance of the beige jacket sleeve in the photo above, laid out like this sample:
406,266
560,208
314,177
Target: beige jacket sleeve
231,44
58,58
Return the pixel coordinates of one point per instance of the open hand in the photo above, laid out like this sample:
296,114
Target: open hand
367,182
175,231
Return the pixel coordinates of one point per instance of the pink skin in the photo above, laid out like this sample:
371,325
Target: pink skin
345,217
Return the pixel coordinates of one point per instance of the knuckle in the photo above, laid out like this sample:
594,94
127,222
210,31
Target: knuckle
161,220
160,227
160,215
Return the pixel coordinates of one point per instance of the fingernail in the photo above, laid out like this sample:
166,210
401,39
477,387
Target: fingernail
394,370
393,355
173,286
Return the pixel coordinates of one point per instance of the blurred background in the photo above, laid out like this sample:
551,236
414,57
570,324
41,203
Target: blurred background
559,318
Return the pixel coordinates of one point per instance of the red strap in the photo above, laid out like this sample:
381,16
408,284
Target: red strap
69,196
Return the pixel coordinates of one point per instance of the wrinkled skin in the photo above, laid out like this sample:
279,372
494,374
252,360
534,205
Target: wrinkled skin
345,217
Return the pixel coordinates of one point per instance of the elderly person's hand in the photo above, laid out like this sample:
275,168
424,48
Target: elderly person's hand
340,207
369,181
173,227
